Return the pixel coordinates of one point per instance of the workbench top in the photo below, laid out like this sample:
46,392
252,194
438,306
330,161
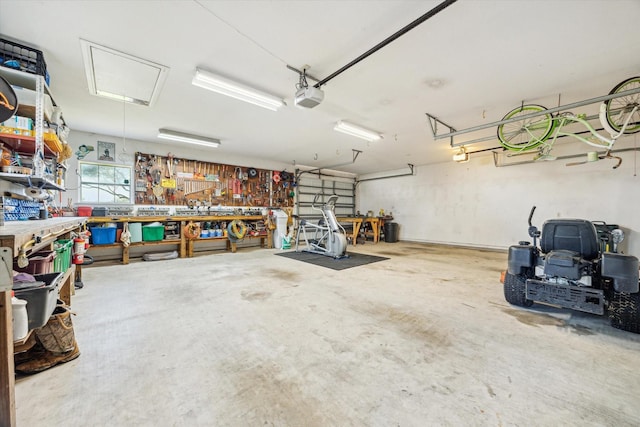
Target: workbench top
169,218
17,233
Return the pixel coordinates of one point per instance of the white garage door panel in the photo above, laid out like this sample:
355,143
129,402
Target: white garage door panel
309,185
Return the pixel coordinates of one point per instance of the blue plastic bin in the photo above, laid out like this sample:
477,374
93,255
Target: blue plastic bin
103,235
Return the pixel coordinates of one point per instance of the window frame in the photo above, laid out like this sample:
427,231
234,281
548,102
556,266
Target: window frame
82,181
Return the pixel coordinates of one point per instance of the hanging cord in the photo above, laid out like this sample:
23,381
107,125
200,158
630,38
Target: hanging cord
122,157
209,10
635,155
124,126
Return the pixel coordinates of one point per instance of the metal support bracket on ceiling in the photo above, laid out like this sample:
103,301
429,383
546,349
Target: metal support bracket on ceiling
411,173
303,73
355,153
498,156
433,121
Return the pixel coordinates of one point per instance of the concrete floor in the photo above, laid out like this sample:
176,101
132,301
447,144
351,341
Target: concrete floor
253,339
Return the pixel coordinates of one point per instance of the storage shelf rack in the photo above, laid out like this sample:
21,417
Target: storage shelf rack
32,145
434,121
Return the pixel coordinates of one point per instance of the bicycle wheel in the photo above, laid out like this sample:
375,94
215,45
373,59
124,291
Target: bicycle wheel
527,133
618,109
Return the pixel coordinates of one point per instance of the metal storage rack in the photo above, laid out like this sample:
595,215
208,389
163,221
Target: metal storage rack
33,145
452,133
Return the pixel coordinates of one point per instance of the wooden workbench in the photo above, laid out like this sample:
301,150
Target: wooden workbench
186,246
356,223
14,234
29,236
375,222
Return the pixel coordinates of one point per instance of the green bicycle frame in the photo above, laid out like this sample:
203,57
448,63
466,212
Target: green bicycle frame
559,122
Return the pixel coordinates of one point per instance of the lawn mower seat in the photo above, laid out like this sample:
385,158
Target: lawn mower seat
568,244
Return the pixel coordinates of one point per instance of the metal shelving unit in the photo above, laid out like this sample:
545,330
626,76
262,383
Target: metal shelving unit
30,181
32,145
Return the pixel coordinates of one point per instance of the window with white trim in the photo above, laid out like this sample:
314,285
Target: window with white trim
104,183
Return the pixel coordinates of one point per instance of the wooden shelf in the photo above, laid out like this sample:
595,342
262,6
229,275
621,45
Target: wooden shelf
21,345
206,239
174,218
155,243
24,144
143,243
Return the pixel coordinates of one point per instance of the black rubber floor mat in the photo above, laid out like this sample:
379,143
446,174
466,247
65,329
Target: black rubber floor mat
353,259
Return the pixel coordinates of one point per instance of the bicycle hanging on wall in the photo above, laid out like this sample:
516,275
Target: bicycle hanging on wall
617,116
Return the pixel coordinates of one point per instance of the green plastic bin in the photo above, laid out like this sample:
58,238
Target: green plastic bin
152,233
62,261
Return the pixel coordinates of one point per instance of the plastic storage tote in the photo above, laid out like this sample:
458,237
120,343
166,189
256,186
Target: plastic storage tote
84,210
62,261
41,297
39,263
152,233
103,235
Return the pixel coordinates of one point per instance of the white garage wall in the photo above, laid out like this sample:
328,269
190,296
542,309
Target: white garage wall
478,204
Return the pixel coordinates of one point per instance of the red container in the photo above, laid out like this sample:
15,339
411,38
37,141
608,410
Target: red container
39,263
84,210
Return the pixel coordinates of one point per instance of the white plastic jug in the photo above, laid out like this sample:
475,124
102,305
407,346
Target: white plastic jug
20,318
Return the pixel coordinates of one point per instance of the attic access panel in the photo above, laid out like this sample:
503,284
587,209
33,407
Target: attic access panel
120,76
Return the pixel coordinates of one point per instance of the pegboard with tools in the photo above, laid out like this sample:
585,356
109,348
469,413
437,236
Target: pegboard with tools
169,180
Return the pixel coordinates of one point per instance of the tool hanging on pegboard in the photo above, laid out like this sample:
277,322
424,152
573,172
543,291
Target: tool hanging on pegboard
168,180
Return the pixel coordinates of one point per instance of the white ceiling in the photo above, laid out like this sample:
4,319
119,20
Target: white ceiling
489,55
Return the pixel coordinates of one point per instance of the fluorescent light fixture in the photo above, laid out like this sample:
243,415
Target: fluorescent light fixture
188,138
461,156
224,86
357,131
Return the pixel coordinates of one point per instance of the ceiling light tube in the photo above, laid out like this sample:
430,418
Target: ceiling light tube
224,86
188,138
357,131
